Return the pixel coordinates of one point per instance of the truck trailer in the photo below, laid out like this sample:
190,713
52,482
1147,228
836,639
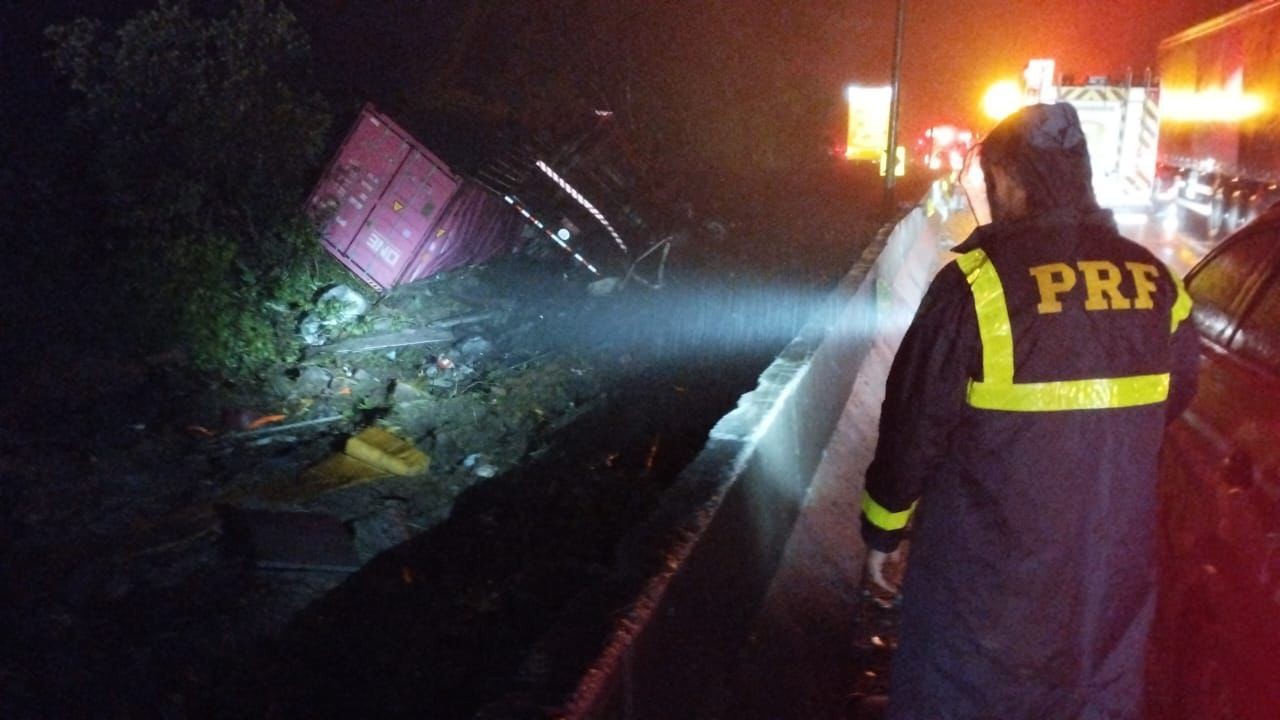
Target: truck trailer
1219,150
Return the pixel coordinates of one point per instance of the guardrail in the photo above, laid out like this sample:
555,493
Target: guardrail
705,560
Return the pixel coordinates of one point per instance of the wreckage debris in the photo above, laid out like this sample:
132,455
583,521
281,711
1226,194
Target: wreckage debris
338,306
270,429
386,341
479,464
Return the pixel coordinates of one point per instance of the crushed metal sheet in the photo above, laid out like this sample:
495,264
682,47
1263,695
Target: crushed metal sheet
386,341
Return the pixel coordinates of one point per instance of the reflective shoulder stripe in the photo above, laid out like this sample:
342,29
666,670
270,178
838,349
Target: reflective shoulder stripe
1094,394
882,518
1181,306
993,316
998,391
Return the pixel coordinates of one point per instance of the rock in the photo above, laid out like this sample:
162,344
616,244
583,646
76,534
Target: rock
603,286
335,307
446,450
284,384
402,391
365,385
340,386
479,464
312,381
340,305
474,349
312,330
382,529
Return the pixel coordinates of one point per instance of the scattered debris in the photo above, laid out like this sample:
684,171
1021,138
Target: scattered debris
459,380
312,380
479,464
337,306
474,349
264,421
402,338
402,391
258,432
604,286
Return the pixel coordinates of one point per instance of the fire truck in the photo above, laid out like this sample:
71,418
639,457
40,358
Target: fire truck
1219,160
1121,121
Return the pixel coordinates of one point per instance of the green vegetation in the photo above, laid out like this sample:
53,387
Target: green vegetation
205,141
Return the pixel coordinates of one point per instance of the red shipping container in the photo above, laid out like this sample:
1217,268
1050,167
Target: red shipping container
380,198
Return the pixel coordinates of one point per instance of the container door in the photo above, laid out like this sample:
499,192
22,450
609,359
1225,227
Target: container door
401,218
348,194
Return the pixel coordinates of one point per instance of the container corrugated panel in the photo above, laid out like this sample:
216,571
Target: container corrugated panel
379,198
474,227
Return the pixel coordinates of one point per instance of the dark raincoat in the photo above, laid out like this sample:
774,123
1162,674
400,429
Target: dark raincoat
1030,584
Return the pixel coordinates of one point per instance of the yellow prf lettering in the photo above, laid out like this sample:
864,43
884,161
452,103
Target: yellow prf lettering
1052,280
1102,285
1142,275
1102,280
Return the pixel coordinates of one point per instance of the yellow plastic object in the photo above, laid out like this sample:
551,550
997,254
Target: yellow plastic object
334,472
372,454
386,451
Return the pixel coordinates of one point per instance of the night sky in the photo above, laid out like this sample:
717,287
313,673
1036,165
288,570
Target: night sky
953,50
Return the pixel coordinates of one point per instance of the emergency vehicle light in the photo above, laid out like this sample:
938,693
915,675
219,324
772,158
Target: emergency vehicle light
1002,99
1210,105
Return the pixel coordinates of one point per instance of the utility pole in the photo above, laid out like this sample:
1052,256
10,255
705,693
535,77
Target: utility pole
891,152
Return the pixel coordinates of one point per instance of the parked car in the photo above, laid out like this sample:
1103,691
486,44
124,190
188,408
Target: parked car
1215,650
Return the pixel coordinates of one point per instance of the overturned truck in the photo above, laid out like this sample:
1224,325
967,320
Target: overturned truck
393,212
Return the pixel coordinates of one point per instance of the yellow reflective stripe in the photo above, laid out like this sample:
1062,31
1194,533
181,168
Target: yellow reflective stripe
1181,306
882,518
993,316
1093,394
997,391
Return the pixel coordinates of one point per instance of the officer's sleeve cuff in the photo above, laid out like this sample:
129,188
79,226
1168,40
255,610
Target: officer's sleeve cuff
877,538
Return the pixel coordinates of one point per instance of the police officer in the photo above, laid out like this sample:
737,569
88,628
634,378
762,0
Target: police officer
1019,438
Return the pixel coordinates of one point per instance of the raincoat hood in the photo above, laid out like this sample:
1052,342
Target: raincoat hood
1044,148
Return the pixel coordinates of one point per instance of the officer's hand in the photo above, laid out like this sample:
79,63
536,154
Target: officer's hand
876,561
